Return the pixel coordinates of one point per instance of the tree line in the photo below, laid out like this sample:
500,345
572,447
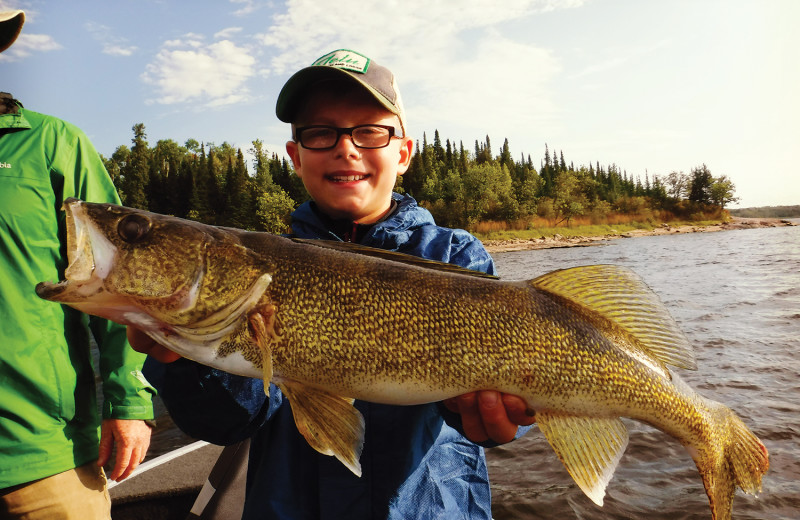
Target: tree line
213,184
768,212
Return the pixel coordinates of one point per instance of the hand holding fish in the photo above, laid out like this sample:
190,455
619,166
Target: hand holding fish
490,415
143,343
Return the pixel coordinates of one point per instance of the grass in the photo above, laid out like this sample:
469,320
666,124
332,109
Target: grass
543,228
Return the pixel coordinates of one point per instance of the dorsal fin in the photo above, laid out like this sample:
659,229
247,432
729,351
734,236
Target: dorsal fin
618,295
349,247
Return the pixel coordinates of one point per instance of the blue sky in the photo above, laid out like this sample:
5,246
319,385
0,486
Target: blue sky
653,86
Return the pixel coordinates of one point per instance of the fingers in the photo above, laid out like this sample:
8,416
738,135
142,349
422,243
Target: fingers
143,343
121,463
518,411
127,461
106,444
495,418
490,415
131,438
471,420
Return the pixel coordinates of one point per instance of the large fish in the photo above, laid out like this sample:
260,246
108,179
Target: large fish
329,323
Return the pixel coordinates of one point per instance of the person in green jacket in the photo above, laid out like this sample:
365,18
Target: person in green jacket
52,442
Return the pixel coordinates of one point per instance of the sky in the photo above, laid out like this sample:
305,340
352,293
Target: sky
652,86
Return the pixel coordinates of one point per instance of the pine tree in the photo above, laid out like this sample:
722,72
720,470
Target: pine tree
238,194
438,150
135,176
505,156
198,206
414,178
700,186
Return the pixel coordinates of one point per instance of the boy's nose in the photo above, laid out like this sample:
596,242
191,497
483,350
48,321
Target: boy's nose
346,147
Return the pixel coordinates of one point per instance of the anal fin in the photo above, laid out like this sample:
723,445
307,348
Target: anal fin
329,423
589,447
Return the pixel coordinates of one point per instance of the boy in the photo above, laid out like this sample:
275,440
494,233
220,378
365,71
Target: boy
349,145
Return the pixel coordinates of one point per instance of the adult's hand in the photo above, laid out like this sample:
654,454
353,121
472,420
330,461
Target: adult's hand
490,415
131,439
143,343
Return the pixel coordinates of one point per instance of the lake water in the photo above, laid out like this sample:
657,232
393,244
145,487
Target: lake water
736,295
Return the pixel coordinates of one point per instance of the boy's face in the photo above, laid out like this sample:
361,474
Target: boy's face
348,182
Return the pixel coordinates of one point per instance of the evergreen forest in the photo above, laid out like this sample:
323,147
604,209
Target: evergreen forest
466,188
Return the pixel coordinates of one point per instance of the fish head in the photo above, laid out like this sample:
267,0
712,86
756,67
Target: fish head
153,271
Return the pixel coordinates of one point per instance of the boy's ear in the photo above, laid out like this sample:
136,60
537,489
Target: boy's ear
406,151
294,155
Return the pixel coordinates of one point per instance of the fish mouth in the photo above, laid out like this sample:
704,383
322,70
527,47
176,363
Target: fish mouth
90,257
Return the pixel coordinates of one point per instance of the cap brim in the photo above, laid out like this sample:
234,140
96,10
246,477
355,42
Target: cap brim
10,26
292,92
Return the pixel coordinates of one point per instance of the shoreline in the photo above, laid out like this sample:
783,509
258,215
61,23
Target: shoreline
557,241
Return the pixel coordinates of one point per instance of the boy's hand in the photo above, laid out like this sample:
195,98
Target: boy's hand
143,343
490,415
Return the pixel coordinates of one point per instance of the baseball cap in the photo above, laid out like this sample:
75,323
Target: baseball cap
342,64
10,27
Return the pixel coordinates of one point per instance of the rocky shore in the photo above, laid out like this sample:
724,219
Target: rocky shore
519,244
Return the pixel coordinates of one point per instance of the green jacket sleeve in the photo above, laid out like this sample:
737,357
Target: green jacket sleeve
126,392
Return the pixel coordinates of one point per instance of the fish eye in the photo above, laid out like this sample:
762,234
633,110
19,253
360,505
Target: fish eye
132,228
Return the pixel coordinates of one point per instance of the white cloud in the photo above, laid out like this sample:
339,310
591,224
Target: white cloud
117,50
247,7
454,64
112,44
228,33
501,86
189,39
28,44
189,70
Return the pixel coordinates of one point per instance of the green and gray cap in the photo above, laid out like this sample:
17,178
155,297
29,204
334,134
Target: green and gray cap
10,27
342,64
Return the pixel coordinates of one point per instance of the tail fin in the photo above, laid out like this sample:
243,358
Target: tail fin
736,458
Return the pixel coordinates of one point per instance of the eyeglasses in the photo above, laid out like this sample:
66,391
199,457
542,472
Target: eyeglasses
323,137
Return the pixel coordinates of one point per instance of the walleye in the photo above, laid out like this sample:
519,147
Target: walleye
329,323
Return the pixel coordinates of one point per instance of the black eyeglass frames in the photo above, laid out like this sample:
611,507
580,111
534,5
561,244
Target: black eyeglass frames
324,137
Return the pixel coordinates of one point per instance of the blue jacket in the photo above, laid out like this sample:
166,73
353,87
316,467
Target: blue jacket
416,463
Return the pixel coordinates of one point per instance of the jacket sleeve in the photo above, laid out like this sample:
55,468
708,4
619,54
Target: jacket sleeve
467,251
210,404
126,393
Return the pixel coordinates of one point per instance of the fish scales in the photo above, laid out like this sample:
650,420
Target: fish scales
427,322
331,322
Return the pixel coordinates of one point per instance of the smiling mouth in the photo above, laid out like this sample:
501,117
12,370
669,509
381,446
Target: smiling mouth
346,178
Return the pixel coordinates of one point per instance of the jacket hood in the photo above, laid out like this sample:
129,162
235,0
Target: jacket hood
406,218
408,229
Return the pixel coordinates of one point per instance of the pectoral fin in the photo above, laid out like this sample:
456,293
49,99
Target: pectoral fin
590,448
262,327
330,423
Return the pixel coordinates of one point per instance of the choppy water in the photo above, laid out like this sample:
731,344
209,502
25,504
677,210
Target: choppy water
736,295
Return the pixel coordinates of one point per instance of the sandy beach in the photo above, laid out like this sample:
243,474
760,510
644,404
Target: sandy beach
518,244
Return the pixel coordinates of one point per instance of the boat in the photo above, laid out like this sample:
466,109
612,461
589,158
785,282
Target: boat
197,481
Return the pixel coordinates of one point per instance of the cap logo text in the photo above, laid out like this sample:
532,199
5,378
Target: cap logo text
344,59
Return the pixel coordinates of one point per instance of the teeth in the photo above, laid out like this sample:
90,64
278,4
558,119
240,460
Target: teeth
348,178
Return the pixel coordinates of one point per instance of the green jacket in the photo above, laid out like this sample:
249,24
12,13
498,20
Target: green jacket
49,415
